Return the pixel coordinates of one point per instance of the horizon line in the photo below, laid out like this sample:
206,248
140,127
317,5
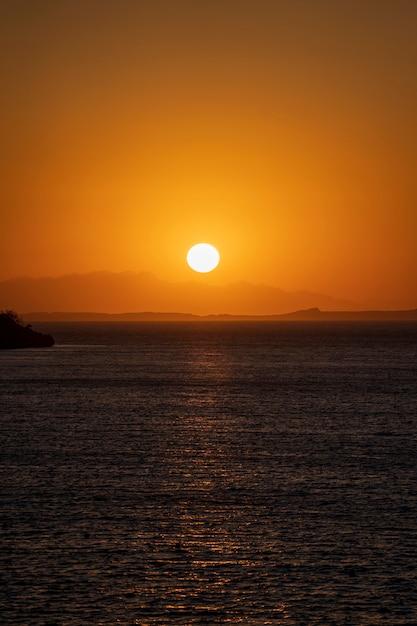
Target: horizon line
311,314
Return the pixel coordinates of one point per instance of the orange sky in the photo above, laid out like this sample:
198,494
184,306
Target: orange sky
281,131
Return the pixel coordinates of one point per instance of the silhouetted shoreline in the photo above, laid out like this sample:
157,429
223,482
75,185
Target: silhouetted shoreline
13,333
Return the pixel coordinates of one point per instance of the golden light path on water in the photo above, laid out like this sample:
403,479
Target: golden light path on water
200,547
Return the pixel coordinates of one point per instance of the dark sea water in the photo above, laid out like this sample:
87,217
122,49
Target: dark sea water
210,473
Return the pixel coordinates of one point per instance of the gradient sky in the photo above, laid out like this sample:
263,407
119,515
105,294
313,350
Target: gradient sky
281,131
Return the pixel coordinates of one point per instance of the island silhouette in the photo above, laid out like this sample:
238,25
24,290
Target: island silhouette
14,334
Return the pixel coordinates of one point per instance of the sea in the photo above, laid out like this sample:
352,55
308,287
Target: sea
210,473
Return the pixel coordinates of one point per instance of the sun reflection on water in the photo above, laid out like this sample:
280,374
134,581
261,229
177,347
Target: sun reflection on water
200,559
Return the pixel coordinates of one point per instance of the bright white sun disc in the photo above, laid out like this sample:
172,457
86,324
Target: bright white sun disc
203,258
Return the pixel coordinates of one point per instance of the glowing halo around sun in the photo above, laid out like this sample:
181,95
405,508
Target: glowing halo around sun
203,258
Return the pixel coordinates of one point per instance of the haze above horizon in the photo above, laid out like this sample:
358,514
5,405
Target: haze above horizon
283,133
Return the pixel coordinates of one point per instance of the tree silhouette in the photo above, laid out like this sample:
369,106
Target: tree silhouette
11,316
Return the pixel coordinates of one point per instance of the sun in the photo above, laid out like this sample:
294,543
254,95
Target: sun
203,258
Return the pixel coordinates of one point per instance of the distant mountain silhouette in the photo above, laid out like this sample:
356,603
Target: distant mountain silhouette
128,292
